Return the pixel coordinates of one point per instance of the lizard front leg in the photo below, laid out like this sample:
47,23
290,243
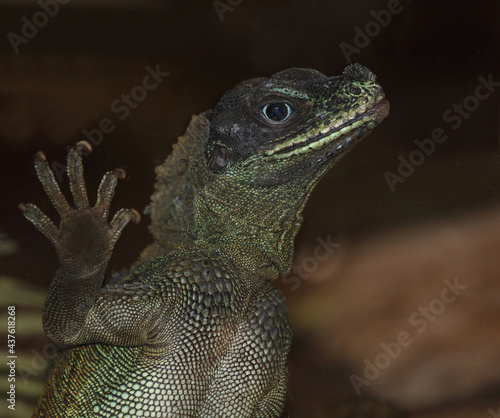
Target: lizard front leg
84,242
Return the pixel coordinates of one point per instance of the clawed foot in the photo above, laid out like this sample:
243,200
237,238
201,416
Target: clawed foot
84,237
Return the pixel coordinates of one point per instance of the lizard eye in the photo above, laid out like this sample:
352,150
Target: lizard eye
219,158
276,112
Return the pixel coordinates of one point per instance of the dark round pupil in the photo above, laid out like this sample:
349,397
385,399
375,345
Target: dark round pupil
277,111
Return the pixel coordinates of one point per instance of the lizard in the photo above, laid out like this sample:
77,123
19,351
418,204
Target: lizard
197,328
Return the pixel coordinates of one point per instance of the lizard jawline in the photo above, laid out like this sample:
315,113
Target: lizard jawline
346,134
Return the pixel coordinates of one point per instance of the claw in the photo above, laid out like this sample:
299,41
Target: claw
120,220
40,156
136,216
83,147
120,173
23,207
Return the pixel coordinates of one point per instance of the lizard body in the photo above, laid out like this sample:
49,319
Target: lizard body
197,328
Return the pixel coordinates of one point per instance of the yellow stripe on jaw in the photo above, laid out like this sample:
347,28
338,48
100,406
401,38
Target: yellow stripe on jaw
311,143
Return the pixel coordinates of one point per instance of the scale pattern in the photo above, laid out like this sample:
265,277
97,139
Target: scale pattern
231,358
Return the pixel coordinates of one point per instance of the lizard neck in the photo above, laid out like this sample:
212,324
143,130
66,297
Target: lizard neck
251,235
253,227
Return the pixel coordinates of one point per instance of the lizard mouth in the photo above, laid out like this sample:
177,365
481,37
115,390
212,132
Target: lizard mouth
342,136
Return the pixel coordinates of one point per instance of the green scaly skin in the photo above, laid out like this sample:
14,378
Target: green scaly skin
197,328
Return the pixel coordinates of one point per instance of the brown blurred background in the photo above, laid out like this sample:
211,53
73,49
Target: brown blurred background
396,250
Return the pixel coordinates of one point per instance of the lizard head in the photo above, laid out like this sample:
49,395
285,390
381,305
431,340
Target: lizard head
297,123
241,174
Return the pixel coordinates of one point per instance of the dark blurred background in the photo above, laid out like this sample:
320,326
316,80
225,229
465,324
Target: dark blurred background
62,77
